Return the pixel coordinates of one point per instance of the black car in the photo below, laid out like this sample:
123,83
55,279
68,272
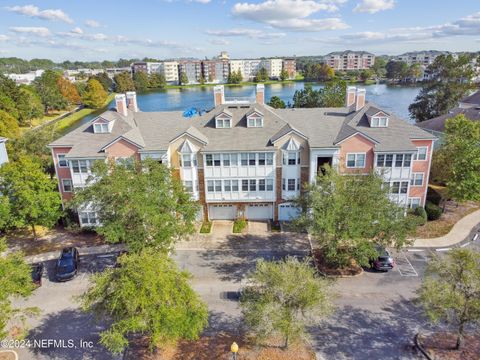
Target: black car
383,262
67,264
37,272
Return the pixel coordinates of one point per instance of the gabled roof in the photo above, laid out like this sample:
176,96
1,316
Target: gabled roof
472,99
224,112
373,111
287,129
193,132
438,123
187,147
254,111
291,145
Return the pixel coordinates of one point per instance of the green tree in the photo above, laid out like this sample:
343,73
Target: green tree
183,79
379,67
366,74
4,213
276,103
396,70
318,72
94,96
450,80
123,82
331,95
47,88
140,79
284,75
159,210
348,215
201,80
15,281
33,195
461,154
415,72
262,75
29,106
68,90
103,79
157,81
450,291
235,77
8,125
283,298
147,294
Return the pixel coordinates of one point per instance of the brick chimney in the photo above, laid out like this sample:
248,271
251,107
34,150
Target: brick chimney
260,95
121,104
360,99
350,98
132,101
218,95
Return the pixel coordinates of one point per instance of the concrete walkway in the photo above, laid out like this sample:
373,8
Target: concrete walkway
460,232
90,250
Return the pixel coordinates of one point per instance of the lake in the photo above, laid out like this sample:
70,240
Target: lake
393,99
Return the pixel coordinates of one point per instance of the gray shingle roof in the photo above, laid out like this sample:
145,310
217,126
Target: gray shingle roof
472,99
438,123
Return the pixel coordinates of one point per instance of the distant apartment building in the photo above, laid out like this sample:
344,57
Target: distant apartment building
424,58
290,65
111,72
273,67
215,71
168,68
250,67
25,79
350,60
193,70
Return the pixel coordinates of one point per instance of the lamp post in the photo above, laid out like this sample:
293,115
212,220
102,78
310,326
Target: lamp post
234,350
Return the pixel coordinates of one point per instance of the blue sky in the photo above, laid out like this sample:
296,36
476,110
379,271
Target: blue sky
107,29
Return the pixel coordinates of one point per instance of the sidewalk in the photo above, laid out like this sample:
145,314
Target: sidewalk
90,250
460,231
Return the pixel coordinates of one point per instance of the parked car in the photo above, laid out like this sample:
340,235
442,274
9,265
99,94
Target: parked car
37,272
383,262
67,264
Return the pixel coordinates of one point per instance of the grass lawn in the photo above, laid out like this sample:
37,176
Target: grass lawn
239,225
39,121
206,227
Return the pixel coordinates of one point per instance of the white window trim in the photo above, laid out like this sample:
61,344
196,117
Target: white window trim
412,182
356,167
426,153
409,201
63,185
254,119
101,126
58,161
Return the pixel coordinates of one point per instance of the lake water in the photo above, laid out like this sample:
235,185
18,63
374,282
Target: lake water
392,99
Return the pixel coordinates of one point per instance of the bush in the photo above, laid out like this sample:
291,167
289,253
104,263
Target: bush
415,221
206,227
433,211
239,225
434,196
421,213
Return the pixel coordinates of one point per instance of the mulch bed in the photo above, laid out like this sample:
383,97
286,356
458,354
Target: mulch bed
441,346
218,347
352,270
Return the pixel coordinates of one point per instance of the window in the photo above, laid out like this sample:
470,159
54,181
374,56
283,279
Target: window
355,160
380,160
407,160
404,187
261,159
261,185
100,128
223,123
75,167
251,159
283,184
216,159
253,185
291,185
218,185
388,160
188,186
399,187
186,160
226,159
62,162
80,166
88,217
244,185
379,121
251,122
210,187
395,188
421,153
244,159
67,185
234,185
209,160
417,179
227,185
298,184
269,158
398,160
234,159
269,184
290,158
413,202
255,122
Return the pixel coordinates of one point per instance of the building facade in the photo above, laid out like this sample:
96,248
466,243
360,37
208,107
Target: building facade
290,66
246,159
3,150
350,60
424,58
215,71
191,68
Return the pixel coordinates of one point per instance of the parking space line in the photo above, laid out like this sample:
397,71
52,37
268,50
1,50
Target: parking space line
443,249
466,244
405,268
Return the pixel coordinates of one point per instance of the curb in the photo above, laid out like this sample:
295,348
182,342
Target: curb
89,250
421,348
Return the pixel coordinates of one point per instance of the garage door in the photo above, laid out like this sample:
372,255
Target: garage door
259,211
222,212
287,212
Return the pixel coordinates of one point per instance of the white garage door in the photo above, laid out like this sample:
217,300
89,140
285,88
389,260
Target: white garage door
222,212
287,212
259,211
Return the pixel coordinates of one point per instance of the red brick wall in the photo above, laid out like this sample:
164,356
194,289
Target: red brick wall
356,144
420,166
62,172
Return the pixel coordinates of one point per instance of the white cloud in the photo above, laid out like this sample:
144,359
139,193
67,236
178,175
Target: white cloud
92,23
219,42
48,14
251,33
3,38
77,30
373,6
291,14
38,31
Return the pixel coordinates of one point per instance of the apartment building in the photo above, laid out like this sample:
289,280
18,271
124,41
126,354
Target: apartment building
246,159
274,67
25,79
191,68
215,71
169,69
424,58
290,66
349,60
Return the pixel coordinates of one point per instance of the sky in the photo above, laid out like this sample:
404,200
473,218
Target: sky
109,30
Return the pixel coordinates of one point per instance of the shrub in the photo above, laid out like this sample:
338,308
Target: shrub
434,196
414,221
433,211
421,213
206,227
239,225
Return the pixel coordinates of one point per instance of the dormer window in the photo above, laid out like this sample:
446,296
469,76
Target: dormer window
100,128
223,123
379,121
255,122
